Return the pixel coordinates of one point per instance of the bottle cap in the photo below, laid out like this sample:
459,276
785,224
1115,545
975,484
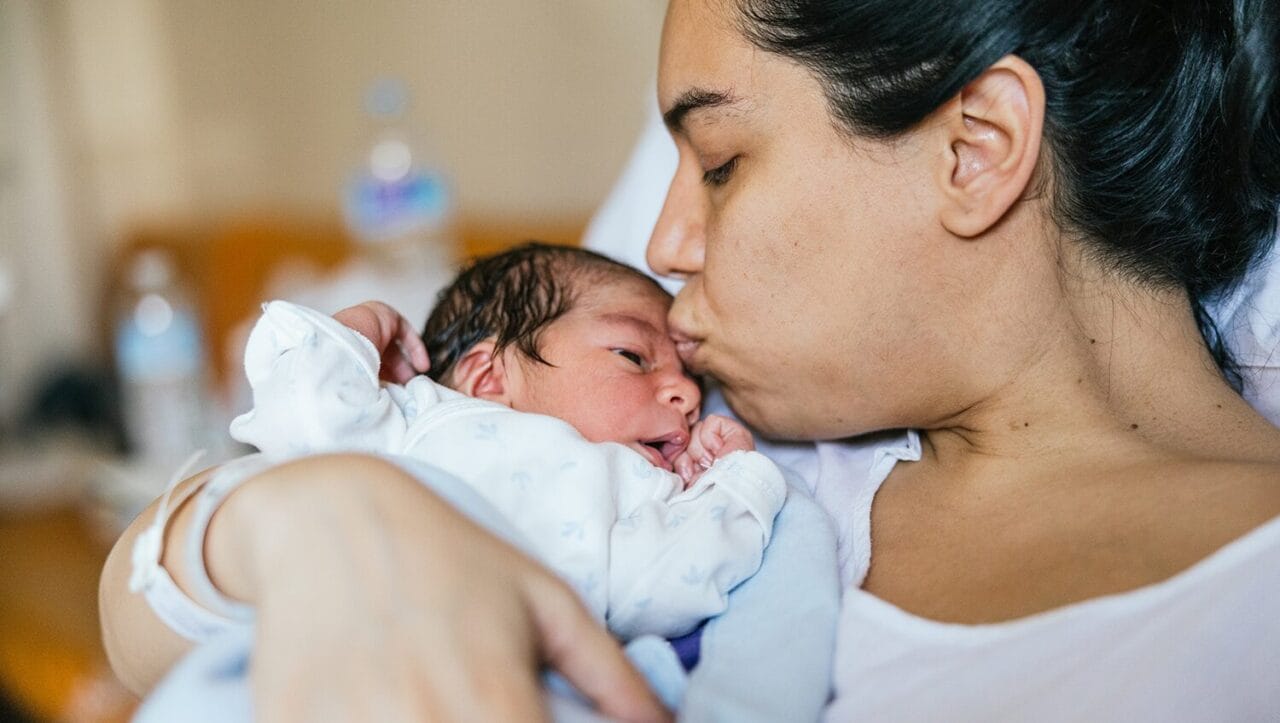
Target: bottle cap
151,269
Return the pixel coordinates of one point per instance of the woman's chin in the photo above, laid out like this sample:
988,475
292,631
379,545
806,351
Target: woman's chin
771,418
780,417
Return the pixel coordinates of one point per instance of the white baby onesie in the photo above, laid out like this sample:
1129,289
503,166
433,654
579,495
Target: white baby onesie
645,556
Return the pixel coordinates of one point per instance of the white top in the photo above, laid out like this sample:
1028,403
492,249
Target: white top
646,555
1203,645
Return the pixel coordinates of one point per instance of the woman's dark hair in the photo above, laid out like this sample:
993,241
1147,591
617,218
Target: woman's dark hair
1162,121
511,297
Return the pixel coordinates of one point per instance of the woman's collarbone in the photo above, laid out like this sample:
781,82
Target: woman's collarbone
981,553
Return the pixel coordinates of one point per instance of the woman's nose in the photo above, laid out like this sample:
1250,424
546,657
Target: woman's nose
682,393
677,245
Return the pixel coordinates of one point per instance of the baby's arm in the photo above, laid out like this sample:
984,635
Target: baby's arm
674,561
315,387
711,439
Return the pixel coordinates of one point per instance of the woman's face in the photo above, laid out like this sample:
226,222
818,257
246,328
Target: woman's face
815,292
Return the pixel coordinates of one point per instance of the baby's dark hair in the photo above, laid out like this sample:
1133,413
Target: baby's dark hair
511,297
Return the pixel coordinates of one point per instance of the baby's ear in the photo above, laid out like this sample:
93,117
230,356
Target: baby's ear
482,374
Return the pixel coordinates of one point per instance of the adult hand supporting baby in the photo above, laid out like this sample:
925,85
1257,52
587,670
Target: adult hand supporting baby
382,602
402,352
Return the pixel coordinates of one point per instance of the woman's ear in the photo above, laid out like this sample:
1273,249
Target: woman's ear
992,130
482,374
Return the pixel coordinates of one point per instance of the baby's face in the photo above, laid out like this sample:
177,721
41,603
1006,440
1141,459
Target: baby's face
616,375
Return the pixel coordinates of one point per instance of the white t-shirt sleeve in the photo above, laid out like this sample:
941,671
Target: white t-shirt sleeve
315,388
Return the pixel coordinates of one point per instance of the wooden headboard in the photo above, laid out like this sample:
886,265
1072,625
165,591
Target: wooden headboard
229,263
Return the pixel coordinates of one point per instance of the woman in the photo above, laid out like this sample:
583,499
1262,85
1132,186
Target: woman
995,225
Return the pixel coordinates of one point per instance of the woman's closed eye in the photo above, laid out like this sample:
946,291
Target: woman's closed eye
719,175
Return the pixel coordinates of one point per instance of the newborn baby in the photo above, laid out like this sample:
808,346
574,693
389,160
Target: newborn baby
556,392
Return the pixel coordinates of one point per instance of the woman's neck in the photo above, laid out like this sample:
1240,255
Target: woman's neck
1112,370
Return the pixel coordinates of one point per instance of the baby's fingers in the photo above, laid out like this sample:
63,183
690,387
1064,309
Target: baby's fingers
697,451
711,438
731,436
683,465
396,365
412,347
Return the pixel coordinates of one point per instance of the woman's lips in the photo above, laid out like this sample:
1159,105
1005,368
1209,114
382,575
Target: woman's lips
686,345
687,350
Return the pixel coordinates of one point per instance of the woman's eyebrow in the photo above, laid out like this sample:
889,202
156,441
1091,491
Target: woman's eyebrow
692,100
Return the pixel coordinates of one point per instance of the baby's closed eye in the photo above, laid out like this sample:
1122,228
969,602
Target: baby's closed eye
631,356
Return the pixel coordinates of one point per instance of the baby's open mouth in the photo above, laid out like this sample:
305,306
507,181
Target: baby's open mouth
663,450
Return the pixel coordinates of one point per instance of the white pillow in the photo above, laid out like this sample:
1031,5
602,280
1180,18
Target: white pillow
1250,324
1249,318
621,227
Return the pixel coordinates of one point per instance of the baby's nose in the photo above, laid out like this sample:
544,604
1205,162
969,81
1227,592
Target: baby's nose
682,393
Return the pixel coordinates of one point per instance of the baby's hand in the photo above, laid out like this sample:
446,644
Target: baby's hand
402,352
709,440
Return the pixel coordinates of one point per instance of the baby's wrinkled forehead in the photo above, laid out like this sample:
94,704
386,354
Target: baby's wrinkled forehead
633,296
635,304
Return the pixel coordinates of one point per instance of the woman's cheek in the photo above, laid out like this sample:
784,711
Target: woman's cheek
712,301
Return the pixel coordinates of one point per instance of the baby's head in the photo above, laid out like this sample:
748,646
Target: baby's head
566,332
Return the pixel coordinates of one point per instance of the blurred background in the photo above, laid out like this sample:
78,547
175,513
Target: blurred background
166,165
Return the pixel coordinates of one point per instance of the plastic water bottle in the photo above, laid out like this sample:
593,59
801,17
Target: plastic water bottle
161,362
394,197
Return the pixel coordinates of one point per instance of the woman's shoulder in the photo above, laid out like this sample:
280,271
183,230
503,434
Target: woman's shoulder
1246,485
1117,614
1182,513
1210,502
1073,534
